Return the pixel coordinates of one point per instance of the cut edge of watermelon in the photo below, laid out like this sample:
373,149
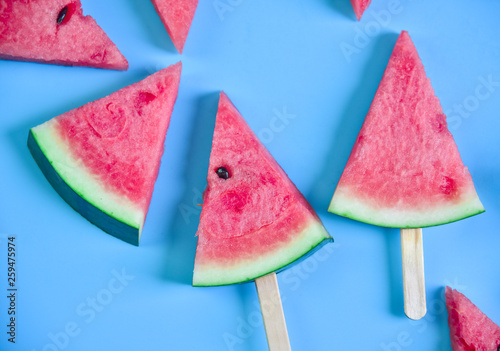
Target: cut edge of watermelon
346,205
470,328
359,8
116,215
123,65
178,38
112,57
311,239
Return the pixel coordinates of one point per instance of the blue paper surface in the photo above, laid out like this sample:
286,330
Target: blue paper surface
303,75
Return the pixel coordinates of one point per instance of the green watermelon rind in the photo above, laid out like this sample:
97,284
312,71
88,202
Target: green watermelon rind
347,205
116,215
311,239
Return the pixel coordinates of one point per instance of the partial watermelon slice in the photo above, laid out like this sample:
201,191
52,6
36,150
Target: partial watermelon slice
254,220
405,170
103,158
176,16
360,6
470,329
56,32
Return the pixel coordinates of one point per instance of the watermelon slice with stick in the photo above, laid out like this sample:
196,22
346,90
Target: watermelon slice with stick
103,158
405,170
176,16
359,7
56,32
470,328
254,221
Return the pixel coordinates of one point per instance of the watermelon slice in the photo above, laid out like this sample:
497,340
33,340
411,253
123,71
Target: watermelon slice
360,6
55,31
405,170
470,329
254,220
177,16
103,158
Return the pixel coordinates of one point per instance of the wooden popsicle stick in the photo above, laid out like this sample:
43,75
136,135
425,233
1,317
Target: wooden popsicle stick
412,252
272,312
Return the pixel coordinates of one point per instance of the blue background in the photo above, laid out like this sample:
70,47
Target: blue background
271,57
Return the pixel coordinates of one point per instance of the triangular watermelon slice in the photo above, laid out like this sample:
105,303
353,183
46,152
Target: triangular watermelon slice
56,32
254,220
176,16
103,158
470,329
405,170
360,6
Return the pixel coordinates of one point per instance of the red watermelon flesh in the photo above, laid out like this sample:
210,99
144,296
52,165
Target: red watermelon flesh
405,170
255,221
470,328
29,31
108,151
360,6
177,16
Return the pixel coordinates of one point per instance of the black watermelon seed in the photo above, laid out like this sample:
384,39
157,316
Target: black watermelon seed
498,348
222,173
62,15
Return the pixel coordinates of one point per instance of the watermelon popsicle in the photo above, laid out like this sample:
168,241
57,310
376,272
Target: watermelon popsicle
405,170
103,157
254,221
